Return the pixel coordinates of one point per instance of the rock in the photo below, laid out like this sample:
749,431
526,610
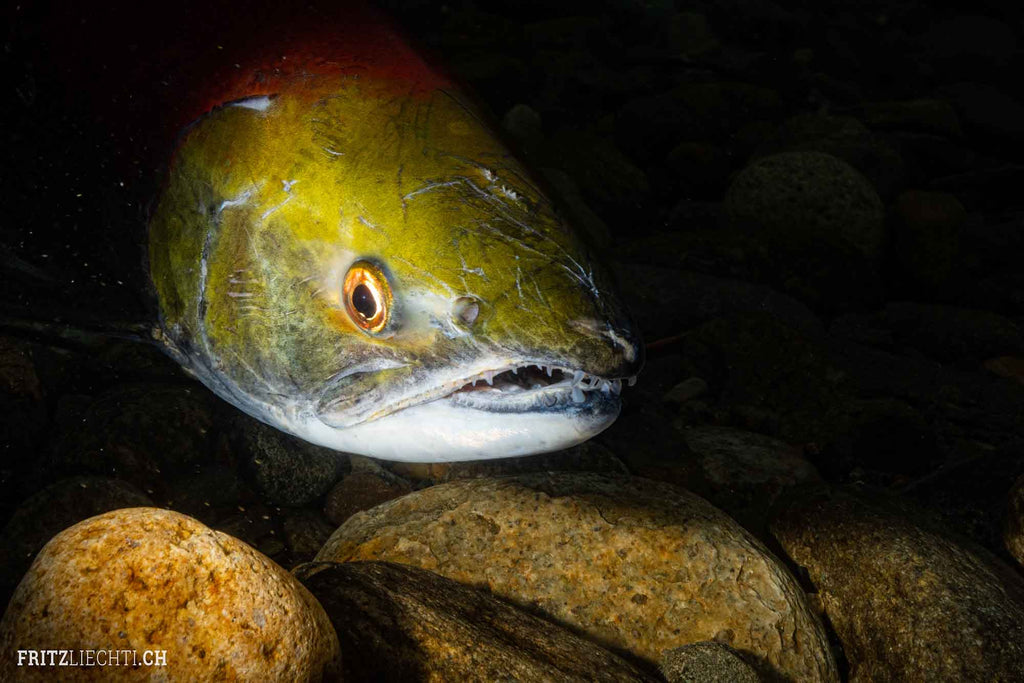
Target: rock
148,579
969,43
608,180
648,127
883,435
762,364
1013,535
52,510
832,278
959,405
907,601
686,390
666,302
699,169
809,198
970,495
284,469
576,209
952,334
367,486
635,564
936,117
688,34
988,111
1006,366
305,532
706,662
926,238
746,472
22,408
142,433
523,124
397,622
843,137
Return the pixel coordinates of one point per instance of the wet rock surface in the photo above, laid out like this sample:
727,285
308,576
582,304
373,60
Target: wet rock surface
907,599
427,627
149,579
634,564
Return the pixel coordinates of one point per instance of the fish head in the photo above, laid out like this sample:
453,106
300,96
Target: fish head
370,269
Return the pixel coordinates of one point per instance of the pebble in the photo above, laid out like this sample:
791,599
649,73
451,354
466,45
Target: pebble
808,197
284,469
635,564
397,622
908,601
706,662
150,579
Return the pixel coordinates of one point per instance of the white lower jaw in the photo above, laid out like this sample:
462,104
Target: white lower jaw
440,431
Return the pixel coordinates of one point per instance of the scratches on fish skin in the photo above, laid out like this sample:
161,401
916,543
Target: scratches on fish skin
288,190
430,187
237,201
366,222
427,274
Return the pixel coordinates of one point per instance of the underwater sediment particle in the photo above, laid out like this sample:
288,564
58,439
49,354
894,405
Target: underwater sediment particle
908,601
146,579
634,564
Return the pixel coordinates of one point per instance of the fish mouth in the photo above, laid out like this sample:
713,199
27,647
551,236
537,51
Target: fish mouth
534,386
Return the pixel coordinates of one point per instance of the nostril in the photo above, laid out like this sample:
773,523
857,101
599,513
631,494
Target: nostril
466,310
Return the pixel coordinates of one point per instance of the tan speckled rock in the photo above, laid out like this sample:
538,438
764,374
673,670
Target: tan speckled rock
707,662
402,623
1013,534
636,564
151,579
908,602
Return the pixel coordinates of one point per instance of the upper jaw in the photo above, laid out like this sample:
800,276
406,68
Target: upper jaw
492,385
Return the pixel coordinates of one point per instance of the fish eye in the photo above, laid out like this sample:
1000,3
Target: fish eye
367,296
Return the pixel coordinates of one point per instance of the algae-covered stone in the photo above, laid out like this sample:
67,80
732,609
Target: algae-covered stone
148,579
907,601
401,623
808,197
637,565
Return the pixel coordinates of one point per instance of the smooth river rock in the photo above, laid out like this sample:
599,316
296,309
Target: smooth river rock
908,601
402,623
634,564
149,579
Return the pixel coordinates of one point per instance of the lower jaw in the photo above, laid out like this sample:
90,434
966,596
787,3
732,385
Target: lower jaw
442,431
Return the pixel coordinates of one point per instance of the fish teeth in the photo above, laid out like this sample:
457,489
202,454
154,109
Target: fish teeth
489,377
577,395
577,376
548,369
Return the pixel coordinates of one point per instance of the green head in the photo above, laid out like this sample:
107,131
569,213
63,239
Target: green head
371,270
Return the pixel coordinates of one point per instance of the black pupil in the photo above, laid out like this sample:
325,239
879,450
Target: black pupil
363,301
